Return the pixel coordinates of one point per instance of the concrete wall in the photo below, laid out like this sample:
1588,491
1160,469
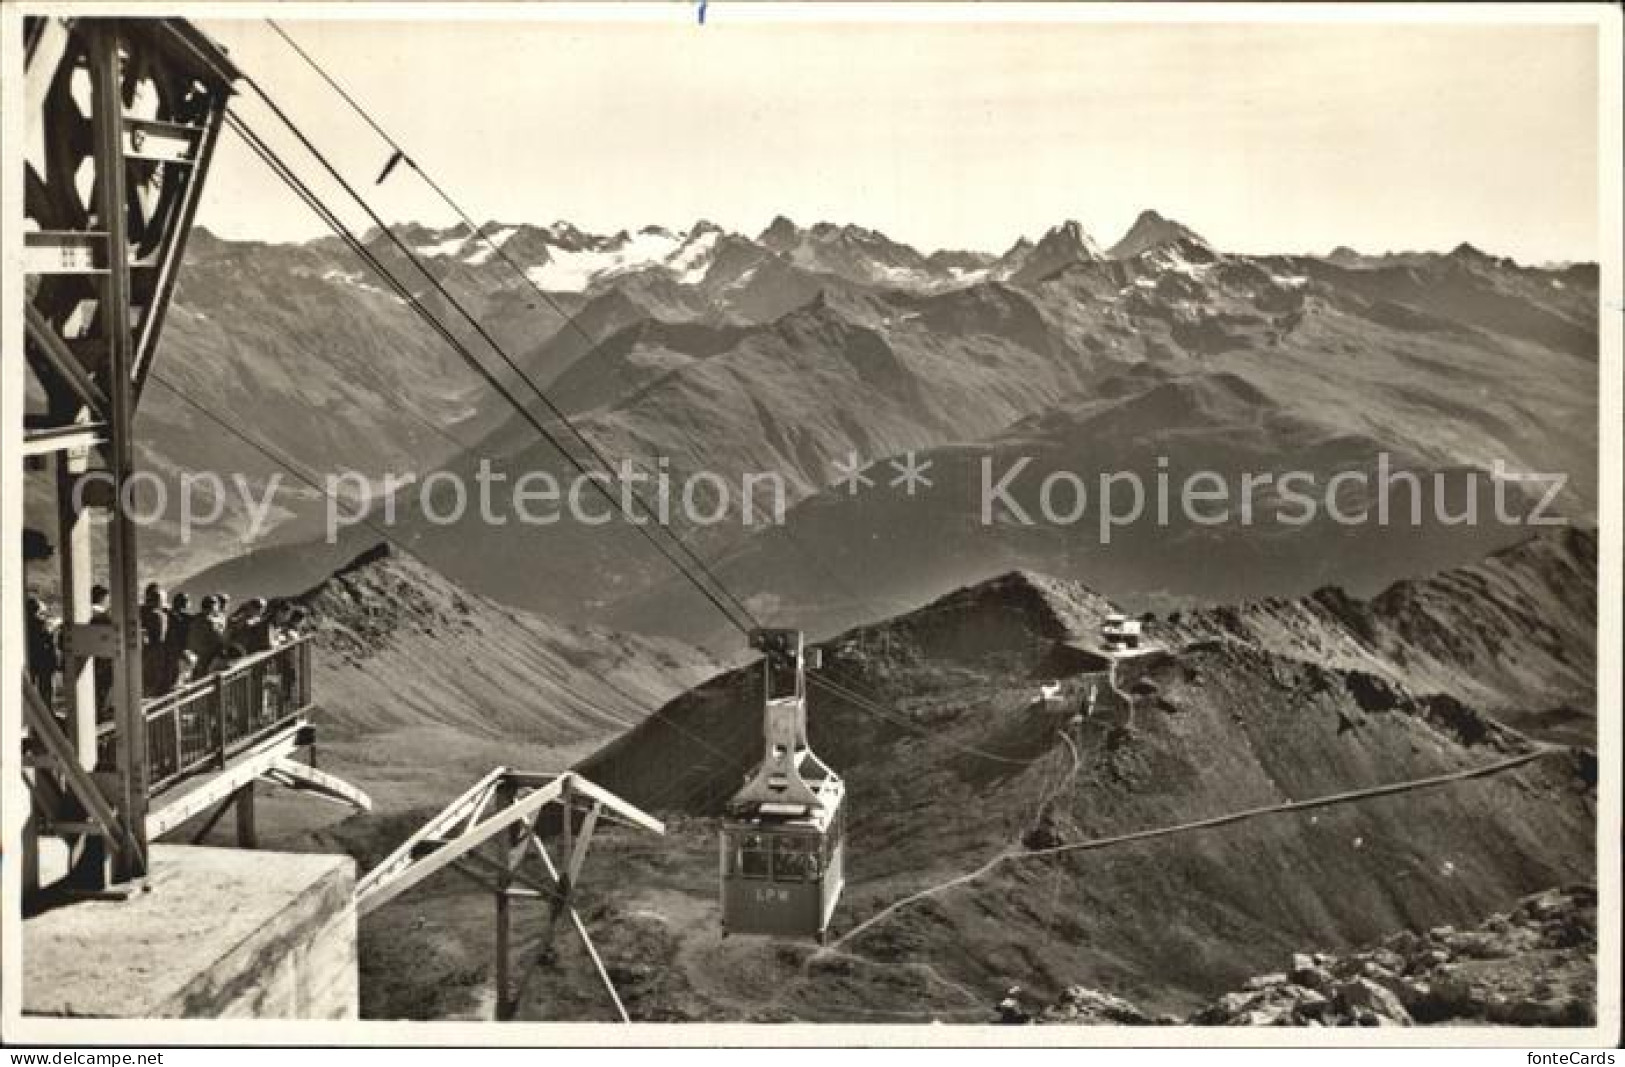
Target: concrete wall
221,933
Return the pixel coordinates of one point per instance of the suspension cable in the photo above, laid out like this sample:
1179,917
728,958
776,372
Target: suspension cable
569,320
292,468
284,172
716,593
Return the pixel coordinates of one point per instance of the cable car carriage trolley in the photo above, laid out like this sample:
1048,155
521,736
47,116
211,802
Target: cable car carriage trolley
783,839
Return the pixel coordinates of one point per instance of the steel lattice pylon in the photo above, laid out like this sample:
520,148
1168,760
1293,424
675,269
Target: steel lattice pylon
492,835
123,116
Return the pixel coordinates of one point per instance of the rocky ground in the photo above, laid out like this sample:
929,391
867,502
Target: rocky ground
1531,966
977,811
959,792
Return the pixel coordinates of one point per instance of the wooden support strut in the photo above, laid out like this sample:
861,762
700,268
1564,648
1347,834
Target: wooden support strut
565,906
247,829
220,809
504,1003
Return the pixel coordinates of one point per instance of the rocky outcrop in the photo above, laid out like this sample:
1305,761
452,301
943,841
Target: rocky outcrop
1534,966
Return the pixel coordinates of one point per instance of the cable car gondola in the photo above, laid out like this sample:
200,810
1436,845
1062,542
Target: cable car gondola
783,839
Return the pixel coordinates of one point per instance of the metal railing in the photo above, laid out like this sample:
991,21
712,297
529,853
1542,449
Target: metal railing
204,723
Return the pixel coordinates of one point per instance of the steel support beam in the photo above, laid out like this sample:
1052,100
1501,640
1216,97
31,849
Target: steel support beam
74,551
302,777
42,727
93,318
79,435
66,367
107,122
173,810
174,249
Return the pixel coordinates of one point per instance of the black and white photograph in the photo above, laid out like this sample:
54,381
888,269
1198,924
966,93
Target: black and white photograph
738,524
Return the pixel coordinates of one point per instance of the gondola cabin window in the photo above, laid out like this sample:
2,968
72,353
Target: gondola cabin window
754,856
778,857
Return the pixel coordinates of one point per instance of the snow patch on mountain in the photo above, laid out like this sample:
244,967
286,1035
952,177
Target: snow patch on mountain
693,258
356,280
448,247
574,270
482,253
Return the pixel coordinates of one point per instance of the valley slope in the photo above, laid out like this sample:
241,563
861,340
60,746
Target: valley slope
970,790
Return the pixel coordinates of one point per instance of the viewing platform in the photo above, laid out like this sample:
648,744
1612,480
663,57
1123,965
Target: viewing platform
209,741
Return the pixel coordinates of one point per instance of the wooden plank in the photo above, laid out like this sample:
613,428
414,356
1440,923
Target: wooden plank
403,869
581,930
567,819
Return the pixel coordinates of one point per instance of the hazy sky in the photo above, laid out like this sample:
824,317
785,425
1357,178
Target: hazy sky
1263,138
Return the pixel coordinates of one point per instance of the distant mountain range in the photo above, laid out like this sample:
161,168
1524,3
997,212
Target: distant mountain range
1300,660
562,259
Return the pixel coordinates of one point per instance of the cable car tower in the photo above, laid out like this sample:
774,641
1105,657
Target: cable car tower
783,839
123,116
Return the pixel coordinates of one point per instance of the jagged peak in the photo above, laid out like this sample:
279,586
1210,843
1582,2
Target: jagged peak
1070,233
780,234
379,555
382,552
1467,252
1060,608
